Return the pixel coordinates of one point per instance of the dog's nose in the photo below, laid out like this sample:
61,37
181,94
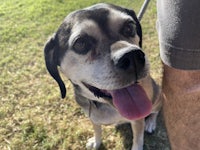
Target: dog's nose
134,59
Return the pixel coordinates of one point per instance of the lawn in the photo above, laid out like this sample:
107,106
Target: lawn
32,114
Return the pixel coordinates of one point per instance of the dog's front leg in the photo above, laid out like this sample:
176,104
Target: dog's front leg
138,134
95,142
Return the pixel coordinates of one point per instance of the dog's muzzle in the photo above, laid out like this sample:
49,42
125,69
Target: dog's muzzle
131,101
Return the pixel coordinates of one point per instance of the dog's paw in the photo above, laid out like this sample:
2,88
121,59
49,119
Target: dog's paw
92,144
150,123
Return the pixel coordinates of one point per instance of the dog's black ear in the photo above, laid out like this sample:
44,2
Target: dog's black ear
51,60
138,25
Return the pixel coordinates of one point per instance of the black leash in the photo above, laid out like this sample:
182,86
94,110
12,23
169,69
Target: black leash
142,10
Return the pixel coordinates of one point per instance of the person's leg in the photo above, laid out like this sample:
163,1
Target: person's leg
179,39
181,108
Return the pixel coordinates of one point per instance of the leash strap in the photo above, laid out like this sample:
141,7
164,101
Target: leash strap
142,10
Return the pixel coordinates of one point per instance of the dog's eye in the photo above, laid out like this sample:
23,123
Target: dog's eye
83,44
128,29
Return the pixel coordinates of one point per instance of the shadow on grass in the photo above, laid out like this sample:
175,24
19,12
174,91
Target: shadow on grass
155,141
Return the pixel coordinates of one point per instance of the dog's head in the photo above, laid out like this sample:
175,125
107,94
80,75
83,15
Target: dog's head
99,49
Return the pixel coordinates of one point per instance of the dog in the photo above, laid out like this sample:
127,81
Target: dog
99,49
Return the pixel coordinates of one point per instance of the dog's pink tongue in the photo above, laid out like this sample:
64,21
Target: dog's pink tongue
132,102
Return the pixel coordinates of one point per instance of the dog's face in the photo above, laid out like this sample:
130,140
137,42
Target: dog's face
99,50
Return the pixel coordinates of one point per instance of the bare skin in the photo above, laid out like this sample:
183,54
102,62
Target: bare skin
181,90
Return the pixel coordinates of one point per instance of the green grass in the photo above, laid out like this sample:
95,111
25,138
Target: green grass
32,114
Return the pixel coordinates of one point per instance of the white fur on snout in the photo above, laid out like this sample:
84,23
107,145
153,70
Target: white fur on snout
97,73
119,48
122,44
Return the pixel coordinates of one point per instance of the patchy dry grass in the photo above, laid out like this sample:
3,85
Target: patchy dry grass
32,115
